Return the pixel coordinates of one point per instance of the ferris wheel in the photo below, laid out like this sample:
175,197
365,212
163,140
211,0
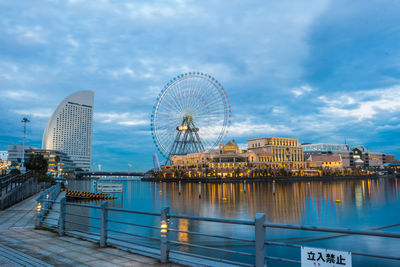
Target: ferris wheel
191,114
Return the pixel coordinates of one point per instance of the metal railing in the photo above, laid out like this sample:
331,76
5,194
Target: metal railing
45,202
11,181
159,241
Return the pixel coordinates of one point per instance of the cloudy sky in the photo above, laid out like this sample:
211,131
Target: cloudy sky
317,70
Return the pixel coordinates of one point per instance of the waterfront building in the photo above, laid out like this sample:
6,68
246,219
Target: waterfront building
325,161
3,155
324,149
286,152
371,159
15,153
267,155
64,163
4,166
69,129
223,161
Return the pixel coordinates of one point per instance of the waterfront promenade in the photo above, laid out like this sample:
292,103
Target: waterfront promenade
23,245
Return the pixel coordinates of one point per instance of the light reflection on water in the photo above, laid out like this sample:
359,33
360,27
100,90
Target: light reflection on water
364,204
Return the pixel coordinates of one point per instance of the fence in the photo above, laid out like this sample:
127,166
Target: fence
14,188
159,240
11,181
45,202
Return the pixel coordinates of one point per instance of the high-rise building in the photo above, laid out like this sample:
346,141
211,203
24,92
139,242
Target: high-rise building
69,129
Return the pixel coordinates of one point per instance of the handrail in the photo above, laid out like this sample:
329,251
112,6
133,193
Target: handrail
134,211
216,236
209,219
13,180
332,230
212,248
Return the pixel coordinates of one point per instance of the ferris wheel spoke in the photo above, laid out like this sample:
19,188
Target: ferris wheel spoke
170,107
202,89
196,91
209,101
180,94
173,97
176,93
170,101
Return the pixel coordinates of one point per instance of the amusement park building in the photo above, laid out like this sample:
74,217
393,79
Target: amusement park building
286,152
273,152
69,129
323,149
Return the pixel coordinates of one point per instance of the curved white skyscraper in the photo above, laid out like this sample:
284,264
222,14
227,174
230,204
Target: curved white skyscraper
69,129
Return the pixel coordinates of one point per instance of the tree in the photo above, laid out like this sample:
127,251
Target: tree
57,159
37,164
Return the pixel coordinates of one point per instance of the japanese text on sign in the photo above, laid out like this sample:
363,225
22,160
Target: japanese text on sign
319,257
109,187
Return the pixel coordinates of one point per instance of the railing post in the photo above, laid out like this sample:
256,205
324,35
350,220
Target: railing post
61,220
39,211
103,224
260,238
164,251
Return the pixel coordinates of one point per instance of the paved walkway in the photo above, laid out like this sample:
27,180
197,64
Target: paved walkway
22,245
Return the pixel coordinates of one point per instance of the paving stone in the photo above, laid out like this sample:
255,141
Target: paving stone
55,249
134,264
120,260
141,259
115,252
78,256
100,263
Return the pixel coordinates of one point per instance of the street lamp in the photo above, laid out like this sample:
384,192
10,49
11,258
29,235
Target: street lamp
24,121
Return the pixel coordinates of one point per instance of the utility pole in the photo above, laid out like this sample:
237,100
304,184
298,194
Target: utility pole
22,169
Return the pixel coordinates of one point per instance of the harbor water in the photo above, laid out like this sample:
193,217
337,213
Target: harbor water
362,204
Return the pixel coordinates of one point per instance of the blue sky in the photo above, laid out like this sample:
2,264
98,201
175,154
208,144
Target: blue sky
317,70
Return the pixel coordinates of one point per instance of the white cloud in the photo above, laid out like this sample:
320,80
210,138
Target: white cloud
250,128
73,42
28,34
21,95
39,112
362,105
126,71
124,119
122,99
299,91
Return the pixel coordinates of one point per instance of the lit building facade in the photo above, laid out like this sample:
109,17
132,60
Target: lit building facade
286,152
15,153
326,161
3,155
372,159
69,129
323,149
64,164
267,154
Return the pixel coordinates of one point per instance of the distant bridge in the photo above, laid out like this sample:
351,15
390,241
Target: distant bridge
87,175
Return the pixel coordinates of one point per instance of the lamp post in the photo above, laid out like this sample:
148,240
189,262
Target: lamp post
24,121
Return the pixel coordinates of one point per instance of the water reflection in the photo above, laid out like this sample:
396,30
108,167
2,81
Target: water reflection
364,204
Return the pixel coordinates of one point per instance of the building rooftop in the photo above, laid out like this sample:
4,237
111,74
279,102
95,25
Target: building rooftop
325,158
